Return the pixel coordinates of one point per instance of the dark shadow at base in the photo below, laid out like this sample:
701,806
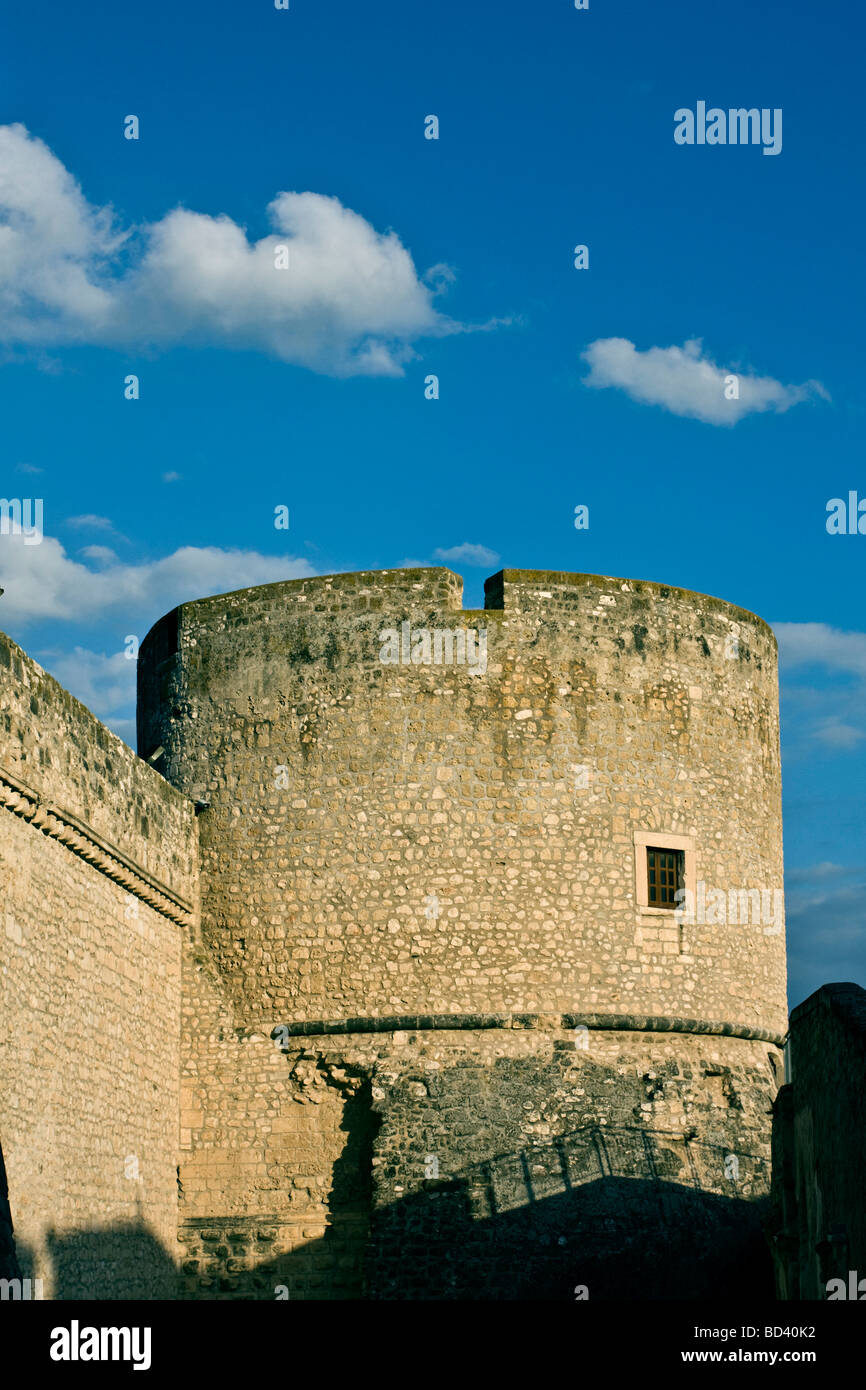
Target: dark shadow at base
609,1239
9,1261
121,1261
617,1238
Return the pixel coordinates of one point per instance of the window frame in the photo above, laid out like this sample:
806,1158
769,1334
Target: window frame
664,840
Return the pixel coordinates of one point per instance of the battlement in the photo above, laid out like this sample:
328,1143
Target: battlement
542,590
323,595
55,754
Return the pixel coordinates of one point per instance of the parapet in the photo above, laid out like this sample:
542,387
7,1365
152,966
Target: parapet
535,591
63,770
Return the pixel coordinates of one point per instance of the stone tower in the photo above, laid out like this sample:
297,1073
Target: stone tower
443,1034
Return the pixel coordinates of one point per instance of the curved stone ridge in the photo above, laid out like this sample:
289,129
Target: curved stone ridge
63,826
620,1023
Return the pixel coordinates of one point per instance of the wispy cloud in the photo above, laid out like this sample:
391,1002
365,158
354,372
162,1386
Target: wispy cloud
826,927
468,554
815,872
818,644
100,554
91,522
823,671
833,732
685,381
105,683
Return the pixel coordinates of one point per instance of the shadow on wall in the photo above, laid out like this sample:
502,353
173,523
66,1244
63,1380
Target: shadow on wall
9,1264
614,1238
625,1239
554,1222
121,1261
604,1213
124,1261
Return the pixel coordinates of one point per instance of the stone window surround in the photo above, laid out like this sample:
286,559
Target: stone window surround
660,839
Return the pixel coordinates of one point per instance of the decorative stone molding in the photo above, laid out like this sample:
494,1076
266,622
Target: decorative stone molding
622,1023
82,840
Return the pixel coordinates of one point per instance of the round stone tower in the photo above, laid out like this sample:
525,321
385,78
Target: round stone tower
511,880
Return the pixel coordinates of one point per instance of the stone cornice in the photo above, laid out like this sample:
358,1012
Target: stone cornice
81,839
623,1023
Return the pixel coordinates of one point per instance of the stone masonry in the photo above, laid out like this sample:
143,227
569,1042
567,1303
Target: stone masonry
429,1037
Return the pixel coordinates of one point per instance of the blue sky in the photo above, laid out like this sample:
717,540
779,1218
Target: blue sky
451,257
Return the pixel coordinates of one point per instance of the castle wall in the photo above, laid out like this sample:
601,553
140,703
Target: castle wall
819,1137
395,852
637,1167
391,839
511,1163
274,1167
98,868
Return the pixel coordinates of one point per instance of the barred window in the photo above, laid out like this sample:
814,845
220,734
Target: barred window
665,874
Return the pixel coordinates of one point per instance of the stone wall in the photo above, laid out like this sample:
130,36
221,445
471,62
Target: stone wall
516,1163
522,1165
818,1227
98,866
421,878
275,1167
390,839
425,1039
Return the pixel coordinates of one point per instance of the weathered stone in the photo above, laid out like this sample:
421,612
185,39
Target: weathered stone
432,1044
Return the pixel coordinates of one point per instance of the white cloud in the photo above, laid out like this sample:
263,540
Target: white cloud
53,247
830,714
818,644
826,869
350,302
90,522
468,554
686,382
42,582
102,554
104,683
833,732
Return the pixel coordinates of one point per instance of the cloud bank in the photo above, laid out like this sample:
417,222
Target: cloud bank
42,582
348,302
830,714
686,382
818,644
